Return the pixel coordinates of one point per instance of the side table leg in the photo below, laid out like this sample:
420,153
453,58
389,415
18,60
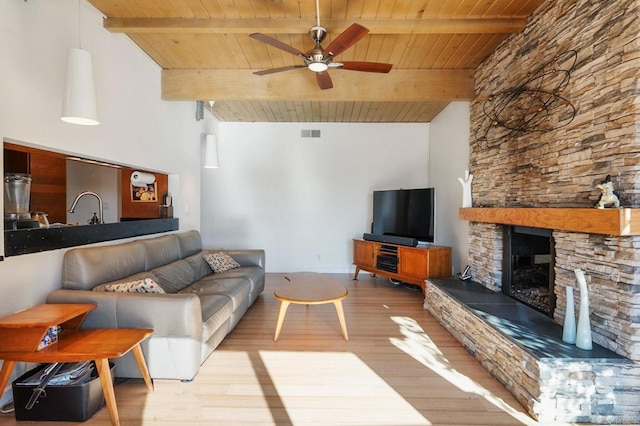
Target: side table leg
5,374
355,276
104,372
340,312
283,311
142,365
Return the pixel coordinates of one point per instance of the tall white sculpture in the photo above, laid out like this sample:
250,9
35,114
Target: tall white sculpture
569,329
583,332
466,189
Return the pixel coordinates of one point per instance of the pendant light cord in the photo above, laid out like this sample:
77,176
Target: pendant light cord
79,27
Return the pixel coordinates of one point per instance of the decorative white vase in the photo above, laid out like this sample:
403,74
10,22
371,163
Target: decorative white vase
569,329
466,189
583,332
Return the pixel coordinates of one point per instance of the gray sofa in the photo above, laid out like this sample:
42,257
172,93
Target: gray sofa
189,322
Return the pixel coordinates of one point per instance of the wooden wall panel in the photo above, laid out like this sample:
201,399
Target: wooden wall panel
48,178
49,186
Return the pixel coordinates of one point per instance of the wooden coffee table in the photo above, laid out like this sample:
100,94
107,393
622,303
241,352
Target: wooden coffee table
21,333
310,288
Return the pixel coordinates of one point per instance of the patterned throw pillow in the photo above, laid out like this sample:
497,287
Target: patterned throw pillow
139,286
220,262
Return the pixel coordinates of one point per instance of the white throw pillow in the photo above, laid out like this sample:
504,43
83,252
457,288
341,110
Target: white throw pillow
220,262
139,286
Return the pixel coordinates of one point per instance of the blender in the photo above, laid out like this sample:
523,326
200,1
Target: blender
17,192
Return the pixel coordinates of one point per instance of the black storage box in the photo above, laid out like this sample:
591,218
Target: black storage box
70,403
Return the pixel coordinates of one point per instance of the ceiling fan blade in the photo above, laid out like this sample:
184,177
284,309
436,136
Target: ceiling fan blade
366,66
324,80
276,43
275,70
345,40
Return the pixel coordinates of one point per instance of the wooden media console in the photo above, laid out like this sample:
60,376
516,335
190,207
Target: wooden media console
412,265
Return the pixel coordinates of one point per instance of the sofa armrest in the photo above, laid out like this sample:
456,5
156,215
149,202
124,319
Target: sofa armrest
169,315
250,257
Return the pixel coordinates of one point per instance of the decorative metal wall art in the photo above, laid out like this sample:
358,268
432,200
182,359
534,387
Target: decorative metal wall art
535,104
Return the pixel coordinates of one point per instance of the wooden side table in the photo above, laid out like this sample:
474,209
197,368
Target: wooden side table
22,332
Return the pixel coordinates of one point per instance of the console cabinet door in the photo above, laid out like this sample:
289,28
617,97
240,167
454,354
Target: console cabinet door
363,253
413,263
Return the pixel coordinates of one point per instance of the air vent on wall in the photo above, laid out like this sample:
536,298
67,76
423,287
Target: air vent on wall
310,133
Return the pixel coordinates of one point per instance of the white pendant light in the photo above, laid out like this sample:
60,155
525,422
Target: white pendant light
79,101
211,152
79,105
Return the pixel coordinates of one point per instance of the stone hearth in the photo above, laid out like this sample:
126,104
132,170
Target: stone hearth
523,349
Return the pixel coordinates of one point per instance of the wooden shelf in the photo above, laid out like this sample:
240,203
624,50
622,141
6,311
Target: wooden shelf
621,222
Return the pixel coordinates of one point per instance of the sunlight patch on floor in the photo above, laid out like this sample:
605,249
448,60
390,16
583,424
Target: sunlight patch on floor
417,344
221,393
306,384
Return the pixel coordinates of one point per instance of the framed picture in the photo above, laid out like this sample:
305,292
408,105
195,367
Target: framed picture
144,193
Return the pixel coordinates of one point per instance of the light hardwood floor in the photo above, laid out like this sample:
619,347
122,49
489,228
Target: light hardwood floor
399,367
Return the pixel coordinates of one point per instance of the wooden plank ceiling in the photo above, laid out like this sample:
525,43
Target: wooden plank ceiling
205,52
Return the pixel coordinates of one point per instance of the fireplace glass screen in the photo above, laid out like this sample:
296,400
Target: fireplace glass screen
528,267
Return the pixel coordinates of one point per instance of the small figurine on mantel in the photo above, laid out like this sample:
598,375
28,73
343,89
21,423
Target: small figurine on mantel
608,197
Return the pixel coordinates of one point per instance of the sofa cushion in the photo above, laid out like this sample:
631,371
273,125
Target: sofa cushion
135,277
236,288
146,285
86,267
160,251
254,274
190,243
175,276
216,310
220,262
244,257
200,267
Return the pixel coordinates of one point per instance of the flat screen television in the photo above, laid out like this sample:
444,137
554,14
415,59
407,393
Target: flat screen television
405,213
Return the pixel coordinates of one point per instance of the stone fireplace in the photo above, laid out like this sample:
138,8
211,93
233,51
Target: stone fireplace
559,168
556,168
528,267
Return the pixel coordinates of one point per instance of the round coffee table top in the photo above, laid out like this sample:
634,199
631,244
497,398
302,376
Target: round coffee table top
310,288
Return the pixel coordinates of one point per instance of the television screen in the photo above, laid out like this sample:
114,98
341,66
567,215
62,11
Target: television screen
405,213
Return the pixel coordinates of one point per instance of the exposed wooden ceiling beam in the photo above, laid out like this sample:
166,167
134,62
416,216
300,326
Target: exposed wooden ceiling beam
301,25
242,84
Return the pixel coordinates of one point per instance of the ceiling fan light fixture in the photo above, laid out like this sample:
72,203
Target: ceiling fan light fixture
318,66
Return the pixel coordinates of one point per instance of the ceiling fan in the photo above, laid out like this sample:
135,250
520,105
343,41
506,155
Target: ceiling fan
319,60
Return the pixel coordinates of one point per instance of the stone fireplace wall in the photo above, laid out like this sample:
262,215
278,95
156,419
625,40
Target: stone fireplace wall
559,168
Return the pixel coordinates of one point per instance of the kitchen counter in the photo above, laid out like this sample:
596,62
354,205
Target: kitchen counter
25,241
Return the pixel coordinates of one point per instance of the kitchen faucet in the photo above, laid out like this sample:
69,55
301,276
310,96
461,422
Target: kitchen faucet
82,194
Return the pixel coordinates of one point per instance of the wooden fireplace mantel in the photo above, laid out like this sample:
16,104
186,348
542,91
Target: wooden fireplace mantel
621,222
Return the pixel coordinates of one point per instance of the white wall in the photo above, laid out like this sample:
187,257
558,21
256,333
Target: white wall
137,128
304,199
449,158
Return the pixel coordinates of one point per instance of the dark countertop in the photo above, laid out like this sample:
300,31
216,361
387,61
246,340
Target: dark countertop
528,328
25,241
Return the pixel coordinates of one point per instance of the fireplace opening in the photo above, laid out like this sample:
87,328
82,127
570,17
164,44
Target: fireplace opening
528,264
